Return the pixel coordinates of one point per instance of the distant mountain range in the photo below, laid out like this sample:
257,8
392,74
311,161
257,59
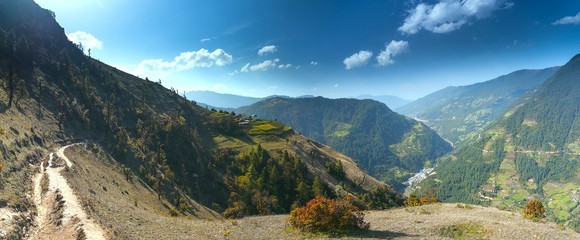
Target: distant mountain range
388,145
220,100
230,101
531,151
392,102
459,112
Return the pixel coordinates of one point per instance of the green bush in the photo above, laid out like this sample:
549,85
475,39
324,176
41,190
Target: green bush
326,215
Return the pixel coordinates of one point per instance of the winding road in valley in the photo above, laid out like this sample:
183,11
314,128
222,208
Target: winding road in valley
59,212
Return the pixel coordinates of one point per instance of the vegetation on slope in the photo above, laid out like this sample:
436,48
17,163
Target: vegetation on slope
458,113
52,93
529,153
386,144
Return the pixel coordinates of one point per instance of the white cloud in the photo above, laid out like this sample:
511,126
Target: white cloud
184,61
245,68
285,66
86,39
267,49
568,20
265,65
314,63
358,59
449,15
207,39
392,49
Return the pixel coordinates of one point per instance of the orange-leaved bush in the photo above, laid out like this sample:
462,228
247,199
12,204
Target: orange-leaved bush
534,209
326,215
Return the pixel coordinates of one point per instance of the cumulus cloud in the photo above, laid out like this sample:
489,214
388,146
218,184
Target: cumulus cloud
285,66
263,66
267,49
86,39
184,61
392,49
568,20
358,59
448,15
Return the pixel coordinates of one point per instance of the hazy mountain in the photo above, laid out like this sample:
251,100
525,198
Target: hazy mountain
531,151
390,146
459,112
220,100
147,156
392,102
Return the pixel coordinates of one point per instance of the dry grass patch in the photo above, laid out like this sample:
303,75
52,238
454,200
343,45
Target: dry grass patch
467,230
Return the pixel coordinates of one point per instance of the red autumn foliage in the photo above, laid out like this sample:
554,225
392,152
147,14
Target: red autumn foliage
534,209
326,215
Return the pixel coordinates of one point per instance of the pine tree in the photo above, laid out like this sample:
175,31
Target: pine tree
318,187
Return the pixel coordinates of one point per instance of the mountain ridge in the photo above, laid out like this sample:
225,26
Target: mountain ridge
152,144
458,113
531,152
398,147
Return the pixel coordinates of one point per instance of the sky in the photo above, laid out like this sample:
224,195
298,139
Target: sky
405,48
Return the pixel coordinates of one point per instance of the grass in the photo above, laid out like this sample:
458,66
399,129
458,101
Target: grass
229,142
341,130
559,197
263,127
467,230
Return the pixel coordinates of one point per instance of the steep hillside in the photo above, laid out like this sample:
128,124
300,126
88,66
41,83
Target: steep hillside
384,143
460,112
532,151
176,157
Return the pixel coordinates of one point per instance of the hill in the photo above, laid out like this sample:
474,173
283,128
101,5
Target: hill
386,144
461,112
150,153
531,151
392,102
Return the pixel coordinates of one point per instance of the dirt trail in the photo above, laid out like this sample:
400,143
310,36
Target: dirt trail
60,214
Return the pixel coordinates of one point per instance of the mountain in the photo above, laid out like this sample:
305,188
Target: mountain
88,150
220,100
531,151
460,112
386,144
392,102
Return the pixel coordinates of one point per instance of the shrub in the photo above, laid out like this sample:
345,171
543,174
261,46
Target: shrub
173,212
413,200
326,215
534,209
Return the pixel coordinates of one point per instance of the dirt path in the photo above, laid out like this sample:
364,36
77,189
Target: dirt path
59,213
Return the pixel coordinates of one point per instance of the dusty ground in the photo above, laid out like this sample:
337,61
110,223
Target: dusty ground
59,212
131,210
425,222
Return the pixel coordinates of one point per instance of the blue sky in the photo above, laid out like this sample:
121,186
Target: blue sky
406,48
